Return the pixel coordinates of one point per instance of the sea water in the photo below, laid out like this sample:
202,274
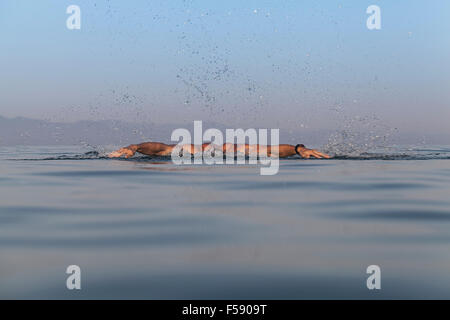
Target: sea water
145,228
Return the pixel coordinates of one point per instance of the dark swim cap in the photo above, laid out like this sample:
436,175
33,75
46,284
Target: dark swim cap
296,147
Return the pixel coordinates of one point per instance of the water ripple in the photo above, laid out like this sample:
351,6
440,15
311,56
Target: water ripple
336,186
396,214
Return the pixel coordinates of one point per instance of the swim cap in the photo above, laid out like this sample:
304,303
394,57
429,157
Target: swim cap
299,145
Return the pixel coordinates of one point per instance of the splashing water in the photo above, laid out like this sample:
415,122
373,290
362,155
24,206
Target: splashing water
360,136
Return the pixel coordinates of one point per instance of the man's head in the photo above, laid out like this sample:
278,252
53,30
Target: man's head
301,146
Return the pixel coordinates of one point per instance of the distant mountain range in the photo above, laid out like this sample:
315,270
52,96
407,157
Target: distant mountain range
25,131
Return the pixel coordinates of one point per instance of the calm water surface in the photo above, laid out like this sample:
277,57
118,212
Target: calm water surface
144,228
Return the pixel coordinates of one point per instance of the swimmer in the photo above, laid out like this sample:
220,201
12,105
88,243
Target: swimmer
162,149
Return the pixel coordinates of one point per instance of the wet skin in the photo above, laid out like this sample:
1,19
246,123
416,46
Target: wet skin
162,149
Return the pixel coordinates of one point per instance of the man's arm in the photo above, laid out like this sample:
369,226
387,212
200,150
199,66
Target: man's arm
287,150
147,148
126,151
156,149
284,150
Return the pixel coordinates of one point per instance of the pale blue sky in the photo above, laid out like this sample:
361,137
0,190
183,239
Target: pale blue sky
276,64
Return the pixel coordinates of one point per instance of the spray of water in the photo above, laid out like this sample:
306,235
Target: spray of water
359,135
